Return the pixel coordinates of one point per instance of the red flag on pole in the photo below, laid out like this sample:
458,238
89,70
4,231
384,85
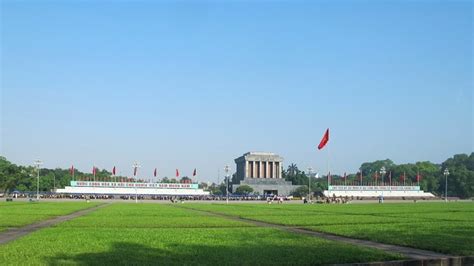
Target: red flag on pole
113,170
329,177
94,170
134,171
177,173
324,140
418,177
71,171
154,173
194,172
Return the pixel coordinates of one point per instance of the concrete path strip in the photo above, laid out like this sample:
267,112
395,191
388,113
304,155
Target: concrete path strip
408,252
14,233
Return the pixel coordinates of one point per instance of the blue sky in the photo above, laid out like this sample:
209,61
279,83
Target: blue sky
196,84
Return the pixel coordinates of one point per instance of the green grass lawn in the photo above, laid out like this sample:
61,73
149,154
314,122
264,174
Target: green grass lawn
17,214
446,228
123,234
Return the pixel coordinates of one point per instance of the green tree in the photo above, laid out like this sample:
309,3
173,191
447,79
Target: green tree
185,179
215,189
294,175
244,189
12,176
203,185
301,191
293,169
369,168
461,176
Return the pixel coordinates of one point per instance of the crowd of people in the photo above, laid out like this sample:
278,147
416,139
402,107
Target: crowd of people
267,198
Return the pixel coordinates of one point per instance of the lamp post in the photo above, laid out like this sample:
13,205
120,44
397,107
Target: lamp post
54,183
37,163
446,173
135,166
382,173
227,169
310,170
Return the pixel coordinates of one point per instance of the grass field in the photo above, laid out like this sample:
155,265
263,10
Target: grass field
122,234
446,228
16,214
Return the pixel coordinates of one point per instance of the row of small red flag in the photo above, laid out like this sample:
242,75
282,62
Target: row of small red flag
155,172
376,176
325,140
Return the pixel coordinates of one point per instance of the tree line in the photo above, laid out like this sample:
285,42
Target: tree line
428,175
431,179
24,178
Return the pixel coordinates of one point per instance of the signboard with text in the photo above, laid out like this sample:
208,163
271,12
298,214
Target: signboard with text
132,185
375,188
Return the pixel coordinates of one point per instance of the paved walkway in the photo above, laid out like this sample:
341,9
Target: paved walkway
15,233
412,253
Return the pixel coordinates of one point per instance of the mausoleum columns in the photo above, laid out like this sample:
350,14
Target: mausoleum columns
259,165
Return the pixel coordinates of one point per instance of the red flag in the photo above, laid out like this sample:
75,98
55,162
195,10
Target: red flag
72,170
324,140
94,170
135,171
113,171
402,178
177,173
194,172
418,177
154,173
329,177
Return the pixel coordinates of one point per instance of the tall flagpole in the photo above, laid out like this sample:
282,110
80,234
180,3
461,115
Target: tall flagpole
37,163
310,169
327,164
321,145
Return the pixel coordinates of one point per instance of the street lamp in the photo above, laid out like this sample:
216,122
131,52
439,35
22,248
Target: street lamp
37,163
310,170
446,173
227,169
54,182
135,166
382,173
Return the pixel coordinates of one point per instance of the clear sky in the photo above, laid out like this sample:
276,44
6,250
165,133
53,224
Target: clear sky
178,84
